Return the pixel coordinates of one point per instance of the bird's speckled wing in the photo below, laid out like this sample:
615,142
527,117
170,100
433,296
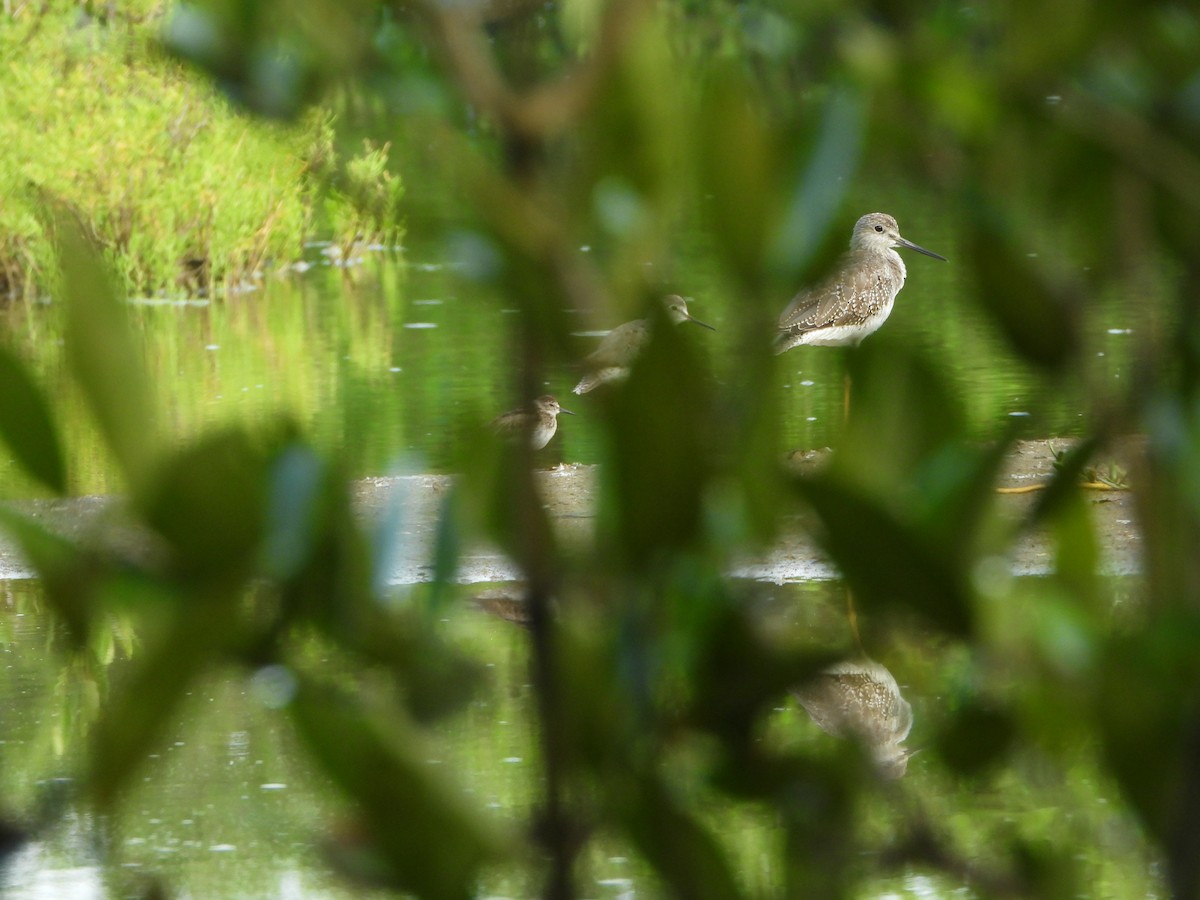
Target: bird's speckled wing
620,346
860,698
512,422
849,297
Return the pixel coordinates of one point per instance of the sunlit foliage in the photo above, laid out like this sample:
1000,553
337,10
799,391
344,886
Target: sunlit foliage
182,192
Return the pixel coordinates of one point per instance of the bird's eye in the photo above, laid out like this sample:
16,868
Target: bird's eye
879,228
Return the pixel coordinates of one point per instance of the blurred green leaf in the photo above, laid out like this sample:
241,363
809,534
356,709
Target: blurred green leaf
292,521
658,433
729,707
433,844
328,579
139,711
739,168
683,851
637,137
67,573
27,426
955,492
1077,560
819,191
887,563
502,496
605,718
435,678
270,62
1148,709
903,414
104,358
208,502
1038,313
977,739
1048,872
314,545
1064,486
447,549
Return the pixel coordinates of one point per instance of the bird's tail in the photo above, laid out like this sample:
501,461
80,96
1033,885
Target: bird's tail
593,380
785,341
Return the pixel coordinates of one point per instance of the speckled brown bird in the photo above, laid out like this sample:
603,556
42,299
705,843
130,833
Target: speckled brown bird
544,415
857,299
619,348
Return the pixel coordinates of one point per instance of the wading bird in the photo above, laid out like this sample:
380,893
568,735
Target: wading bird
540,421
619,348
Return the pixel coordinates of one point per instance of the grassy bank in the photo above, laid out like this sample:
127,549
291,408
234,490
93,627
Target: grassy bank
182,191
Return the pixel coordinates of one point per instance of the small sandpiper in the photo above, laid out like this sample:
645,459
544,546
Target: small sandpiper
619,348
858,297
540,421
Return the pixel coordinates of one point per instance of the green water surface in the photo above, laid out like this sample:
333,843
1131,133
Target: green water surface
384,359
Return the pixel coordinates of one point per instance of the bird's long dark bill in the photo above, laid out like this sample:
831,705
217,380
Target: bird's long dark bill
696,321
563,409
911,246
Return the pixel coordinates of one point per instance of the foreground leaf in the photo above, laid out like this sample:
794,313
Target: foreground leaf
65,570
886,562
659,434
27,426
426,838
1036,312
684,852
103,355
208,502
137,714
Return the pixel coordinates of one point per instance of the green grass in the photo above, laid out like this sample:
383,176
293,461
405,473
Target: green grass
182,191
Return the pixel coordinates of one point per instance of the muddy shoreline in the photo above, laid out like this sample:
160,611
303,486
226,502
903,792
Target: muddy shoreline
568,491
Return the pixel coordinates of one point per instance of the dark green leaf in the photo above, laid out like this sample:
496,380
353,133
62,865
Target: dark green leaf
1148,708
447,548
955,491
208,503
977,738
316,549
137,714
1064,487
1077,551
681,849
1036,311
739,163
1048,872
818,193
27,426
257,59
902,412
103,355
729,707
658,432
67,572
887,563
435,677
427,838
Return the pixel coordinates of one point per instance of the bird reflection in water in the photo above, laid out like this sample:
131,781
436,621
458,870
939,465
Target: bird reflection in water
858,699
508,604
